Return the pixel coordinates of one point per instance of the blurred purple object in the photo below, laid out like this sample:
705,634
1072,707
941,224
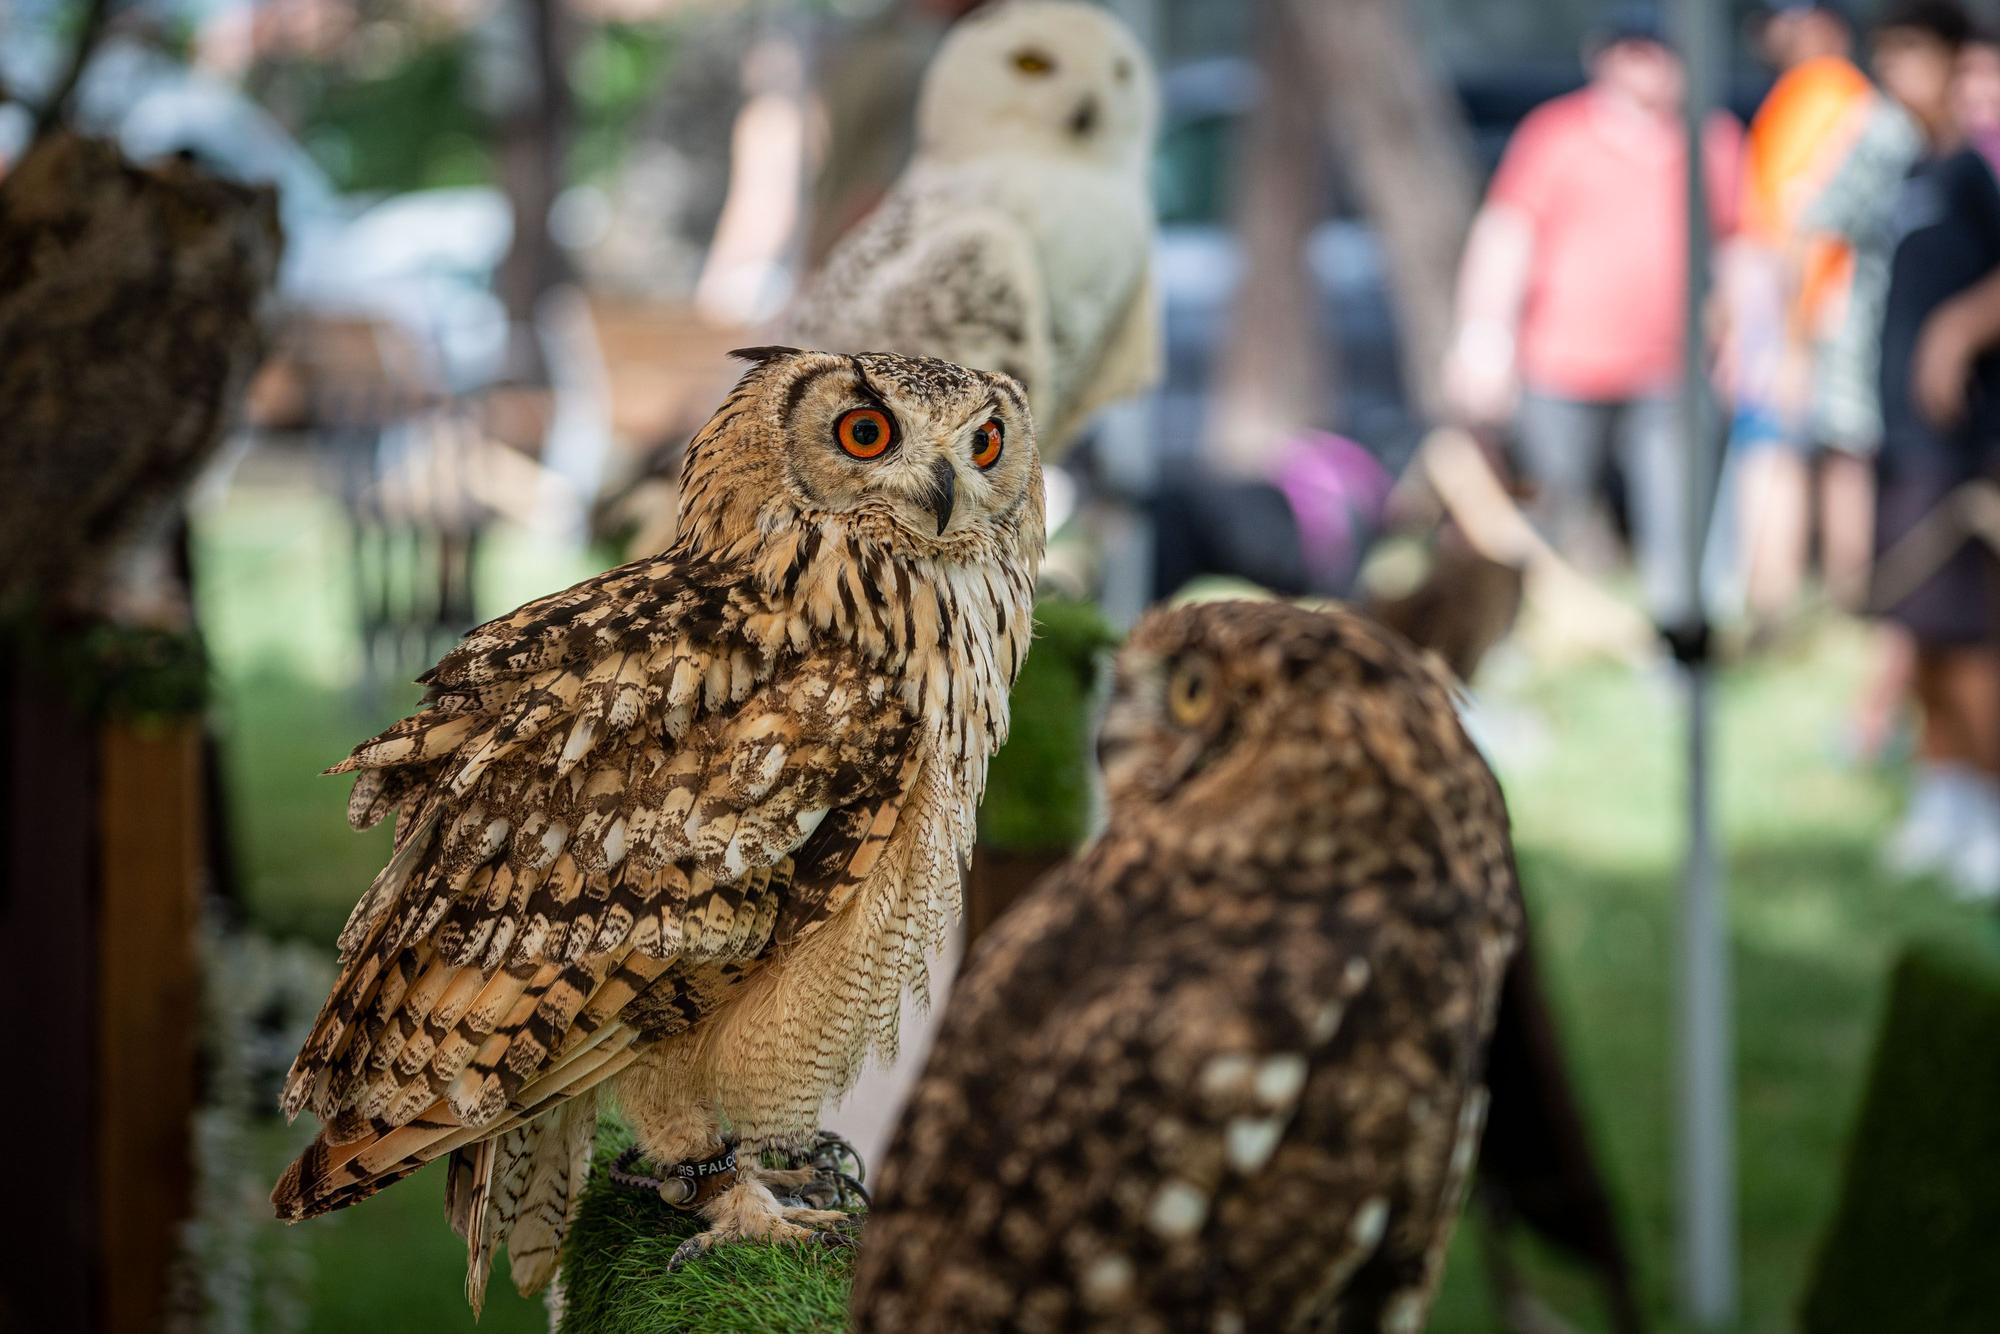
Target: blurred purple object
1337,490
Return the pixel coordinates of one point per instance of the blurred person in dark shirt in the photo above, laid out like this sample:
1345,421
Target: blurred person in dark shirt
1917,112
1940,398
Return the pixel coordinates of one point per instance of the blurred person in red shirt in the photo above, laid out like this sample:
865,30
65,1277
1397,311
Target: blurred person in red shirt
1572,293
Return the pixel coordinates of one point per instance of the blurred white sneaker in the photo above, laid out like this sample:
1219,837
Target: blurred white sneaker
1933,827
1974,866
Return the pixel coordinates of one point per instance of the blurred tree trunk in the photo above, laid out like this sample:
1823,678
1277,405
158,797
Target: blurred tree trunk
90,32
1410,156
1271,382
537,113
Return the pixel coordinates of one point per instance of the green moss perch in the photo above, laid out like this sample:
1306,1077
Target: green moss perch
616,1280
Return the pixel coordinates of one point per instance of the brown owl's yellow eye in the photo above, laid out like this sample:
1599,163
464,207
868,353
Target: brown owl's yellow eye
1033,62
986,444
1190,693
863,432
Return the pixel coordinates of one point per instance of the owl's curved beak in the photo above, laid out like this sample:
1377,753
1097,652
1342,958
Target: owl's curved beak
943,492
1084,119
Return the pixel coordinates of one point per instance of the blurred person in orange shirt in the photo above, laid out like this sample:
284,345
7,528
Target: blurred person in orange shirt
1571,298
1794,409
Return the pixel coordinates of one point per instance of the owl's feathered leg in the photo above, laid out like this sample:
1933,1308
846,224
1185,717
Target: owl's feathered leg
672,1126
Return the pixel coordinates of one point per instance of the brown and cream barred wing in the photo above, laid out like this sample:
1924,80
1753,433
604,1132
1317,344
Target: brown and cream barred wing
526,908
639,999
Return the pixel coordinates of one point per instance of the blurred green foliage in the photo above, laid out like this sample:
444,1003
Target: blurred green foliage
423,120
112,670
618,69
415,124
1038,786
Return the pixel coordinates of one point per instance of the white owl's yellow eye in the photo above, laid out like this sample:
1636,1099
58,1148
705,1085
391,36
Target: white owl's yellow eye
1190,692
1032,62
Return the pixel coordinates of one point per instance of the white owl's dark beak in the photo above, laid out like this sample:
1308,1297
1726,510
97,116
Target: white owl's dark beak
1084,119
943,492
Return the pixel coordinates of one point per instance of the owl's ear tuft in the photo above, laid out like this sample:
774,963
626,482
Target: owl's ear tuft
757,356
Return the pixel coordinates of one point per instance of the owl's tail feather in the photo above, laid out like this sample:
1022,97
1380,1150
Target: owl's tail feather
520,1190
331,1175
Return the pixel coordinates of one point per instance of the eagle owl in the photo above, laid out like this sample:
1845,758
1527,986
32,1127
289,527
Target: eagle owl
682,834
1222,1071
1019,238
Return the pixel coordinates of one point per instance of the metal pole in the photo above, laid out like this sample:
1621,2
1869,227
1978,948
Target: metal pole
1704,1084
1125,443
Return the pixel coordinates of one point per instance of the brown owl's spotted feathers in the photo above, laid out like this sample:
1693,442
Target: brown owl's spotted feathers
685,830
129,324
1222,1072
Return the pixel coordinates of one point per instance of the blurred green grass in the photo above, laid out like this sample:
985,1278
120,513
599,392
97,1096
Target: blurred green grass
1598,820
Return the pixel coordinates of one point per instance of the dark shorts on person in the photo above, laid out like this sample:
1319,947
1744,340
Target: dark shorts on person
1946,221
1955,607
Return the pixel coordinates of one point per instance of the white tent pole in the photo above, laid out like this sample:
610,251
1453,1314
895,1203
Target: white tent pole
1704,1083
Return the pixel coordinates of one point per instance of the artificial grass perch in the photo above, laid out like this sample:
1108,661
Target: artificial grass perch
618,1275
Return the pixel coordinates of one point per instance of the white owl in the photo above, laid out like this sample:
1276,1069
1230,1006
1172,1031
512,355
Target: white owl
1019,239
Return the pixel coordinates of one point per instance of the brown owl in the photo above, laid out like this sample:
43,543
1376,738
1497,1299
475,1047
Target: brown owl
128,326
1222,1071
682,833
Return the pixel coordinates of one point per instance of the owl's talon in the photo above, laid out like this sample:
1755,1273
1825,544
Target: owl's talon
748,1212
691,1249
844,1235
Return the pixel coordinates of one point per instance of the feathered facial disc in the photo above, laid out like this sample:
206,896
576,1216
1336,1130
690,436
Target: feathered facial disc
1037,74
940,451
1213,703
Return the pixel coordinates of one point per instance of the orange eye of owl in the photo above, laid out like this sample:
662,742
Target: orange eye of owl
1033,62
863,432
986,443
